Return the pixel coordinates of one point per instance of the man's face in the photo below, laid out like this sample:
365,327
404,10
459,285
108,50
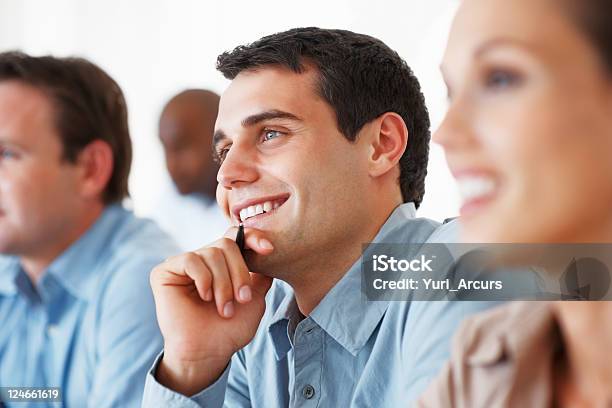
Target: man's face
282,152
186,137
37,190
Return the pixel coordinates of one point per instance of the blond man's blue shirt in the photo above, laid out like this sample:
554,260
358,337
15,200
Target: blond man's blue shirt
88,325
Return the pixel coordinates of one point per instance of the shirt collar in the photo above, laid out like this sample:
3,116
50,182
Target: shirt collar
75,269
9,270
344,313
278,327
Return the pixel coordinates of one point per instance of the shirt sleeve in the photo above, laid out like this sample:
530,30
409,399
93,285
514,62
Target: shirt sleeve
156,395
127,336
230,390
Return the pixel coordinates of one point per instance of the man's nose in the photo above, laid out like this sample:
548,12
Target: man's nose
239,166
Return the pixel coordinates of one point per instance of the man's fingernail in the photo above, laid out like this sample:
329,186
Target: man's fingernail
265,244
208,295
245,293
228,309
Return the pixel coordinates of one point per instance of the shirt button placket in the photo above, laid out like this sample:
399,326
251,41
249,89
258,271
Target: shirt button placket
308,357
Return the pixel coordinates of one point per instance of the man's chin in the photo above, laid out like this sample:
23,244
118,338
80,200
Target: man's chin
10,243
183,188
184,191
268,265
6,249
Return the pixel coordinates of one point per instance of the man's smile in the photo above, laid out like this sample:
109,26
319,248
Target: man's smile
257,207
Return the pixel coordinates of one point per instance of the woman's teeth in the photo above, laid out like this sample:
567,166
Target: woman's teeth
257,209
475,187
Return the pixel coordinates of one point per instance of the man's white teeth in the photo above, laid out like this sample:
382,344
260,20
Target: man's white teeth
257,209
474,187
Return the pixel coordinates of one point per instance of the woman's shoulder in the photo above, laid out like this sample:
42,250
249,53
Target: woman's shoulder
488,350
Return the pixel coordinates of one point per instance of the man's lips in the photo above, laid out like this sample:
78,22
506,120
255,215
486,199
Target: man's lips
256,206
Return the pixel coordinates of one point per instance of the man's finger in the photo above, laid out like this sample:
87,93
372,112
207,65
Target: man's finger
183,270
255,240
239,272
214,258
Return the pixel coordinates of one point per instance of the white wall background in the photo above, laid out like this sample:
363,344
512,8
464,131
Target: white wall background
156,48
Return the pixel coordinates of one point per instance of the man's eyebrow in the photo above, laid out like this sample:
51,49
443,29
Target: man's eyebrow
267,115
252,120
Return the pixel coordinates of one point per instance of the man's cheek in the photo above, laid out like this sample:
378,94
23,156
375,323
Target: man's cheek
222,201
8,194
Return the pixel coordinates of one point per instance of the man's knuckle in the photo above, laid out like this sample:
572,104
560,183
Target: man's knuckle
216,255
225,243
190,260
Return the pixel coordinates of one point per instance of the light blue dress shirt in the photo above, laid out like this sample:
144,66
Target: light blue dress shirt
88,326
348,353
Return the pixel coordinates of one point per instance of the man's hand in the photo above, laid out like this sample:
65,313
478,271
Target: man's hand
209,306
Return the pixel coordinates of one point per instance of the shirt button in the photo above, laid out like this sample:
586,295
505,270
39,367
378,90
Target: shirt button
308,391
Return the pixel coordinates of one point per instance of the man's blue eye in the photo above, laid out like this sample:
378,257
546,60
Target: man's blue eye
271,134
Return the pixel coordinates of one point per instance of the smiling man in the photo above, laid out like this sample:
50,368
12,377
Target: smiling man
323,138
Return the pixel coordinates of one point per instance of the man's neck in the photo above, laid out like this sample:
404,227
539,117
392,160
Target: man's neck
36,263
315,280
316,285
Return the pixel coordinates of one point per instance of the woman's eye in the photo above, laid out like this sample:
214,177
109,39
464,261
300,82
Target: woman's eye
271,134
500,79
6,154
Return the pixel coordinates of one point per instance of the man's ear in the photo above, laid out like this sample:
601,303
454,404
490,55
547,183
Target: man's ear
96,165
388,143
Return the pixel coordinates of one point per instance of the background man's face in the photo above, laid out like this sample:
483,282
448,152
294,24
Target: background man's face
186,134
281,145
37,190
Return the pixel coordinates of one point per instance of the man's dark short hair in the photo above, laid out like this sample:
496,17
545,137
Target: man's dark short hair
359,76
87,104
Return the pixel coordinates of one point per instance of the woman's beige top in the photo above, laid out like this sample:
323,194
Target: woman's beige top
501,358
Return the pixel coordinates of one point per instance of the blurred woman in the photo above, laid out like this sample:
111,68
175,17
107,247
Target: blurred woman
528,136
